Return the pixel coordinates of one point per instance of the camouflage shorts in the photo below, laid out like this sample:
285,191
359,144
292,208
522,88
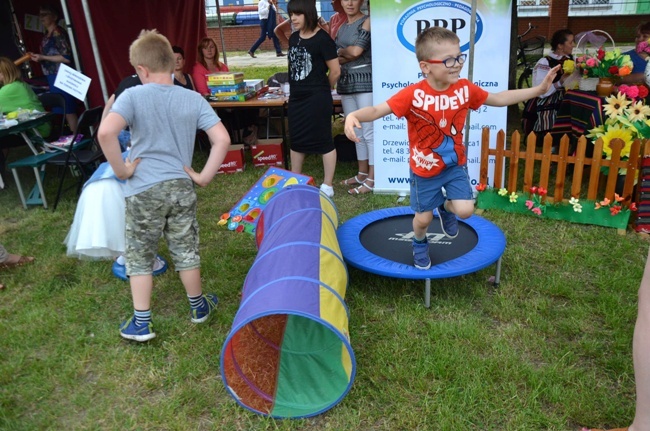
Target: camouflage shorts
169,209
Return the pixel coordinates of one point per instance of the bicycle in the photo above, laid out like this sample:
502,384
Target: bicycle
528,53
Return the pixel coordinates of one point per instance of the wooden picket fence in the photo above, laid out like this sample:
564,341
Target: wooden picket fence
515,157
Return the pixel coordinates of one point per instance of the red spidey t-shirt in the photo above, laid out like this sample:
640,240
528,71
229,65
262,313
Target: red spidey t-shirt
435,123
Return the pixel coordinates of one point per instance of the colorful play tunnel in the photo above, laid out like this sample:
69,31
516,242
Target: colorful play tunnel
288,354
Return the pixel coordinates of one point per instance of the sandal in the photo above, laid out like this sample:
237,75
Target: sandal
362,189
22,260
354,180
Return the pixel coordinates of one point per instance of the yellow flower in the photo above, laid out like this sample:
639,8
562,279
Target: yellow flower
638,111
616,105
616,132
596,132
568,66
503,192
513,197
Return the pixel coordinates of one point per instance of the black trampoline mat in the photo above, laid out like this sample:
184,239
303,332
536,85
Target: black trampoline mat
392,239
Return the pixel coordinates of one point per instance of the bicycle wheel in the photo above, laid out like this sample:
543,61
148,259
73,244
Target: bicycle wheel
525,79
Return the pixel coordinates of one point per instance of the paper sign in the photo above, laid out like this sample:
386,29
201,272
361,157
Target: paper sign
33,23
72,82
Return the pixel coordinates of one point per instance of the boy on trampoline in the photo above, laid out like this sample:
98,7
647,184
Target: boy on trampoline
159,191
435,110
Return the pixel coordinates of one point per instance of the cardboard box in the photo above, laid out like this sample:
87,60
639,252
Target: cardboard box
225,78
267,152
227,90
254,84
234,161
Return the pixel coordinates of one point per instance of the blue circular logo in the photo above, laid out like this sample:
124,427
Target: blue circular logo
421,16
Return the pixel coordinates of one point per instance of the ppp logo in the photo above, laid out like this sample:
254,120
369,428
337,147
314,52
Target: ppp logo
421,16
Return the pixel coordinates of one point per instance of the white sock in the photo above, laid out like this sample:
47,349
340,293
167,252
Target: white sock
121,260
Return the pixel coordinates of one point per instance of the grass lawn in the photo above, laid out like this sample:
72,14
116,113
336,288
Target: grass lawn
550,349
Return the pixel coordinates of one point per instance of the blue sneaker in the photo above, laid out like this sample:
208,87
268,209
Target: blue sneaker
201,314
159,267
448,222
131,331
421,258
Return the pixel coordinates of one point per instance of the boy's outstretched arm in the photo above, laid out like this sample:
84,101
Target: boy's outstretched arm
220,140
364,115
510,97
109,129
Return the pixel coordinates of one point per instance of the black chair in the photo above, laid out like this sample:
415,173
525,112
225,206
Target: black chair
85,154
49,102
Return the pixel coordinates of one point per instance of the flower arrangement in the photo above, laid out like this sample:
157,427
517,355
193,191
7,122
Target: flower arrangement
634,91
605,64
627,119
574,210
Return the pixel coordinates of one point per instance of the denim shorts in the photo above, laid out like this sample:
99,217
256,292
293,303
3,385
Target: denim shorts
167,208
426,193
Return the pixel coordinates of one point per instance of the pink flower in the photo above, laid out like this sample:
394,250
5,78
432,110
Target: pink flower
529,204
632,92
643,47
537,211
591,62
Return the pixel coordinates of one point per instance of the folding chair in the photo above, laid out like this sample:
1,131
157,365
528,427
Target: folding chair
84,154
49,102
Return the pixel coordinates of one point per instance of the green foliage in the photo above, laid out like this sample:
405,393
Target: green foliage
550,348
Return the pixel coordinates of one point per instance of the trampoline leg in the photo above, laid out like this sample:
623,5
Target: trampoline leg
497,277
427,293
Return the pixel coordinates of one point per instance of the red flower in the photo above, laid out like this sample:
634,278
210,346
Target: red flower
533,189
480,187
542,191
643,91
601,53
613,70
615,209
633,206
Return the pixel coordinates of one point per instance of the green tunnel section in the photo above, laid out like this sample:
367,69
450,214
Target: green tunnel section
311,375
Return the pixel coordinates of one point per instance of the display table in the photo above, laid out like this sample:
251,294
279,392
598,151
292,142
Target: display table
266,101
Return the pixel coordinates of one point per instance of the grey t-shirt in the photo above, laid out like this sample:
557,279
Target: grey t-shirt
163,120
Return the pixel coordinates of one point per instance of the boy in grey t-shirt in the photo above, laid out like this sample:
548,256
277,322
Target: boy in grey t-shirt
160,197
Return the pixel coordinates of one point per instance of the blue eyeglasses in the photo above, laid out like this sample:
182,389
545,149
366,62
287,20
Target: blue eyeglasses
449,62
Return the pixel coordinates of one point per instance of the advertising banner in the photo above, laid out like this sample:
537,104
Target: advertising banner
394,27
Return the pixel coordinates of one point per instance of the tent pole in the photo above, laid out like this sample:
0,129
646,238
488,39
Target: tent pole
470,64
73,42
93,43
223,42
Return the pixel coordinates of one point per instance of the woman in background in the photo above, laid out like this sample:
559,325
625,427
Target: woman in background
207,63
313,71
540,113
355,87
15,94
180,77
55,49
638,56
